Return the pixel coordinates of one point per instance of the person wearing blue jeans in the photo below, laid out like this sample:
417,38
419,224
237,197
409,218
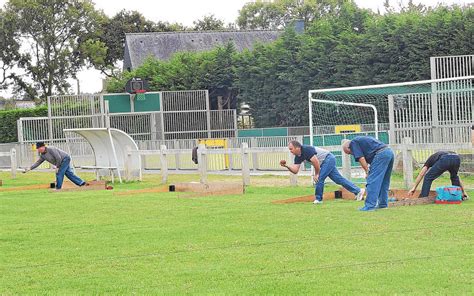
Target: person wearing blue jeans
435,166
370,151
324,164
66,169
61,160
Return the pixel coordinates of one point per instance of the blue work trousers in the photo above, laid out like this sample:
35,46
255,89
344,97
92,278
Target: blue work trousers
65,169
378,180
448,162
328,169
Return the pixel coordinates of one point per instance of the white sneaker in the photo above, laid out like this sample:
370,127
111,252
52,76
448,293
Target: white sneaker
317,201
360,195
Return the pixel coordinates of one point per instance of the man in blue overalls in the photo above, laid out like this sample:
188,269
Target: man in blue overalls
368,150
324,164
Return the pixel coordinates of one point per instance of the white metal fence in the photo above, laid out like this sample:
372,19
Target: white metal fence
451,66
185,100
183,115
441,117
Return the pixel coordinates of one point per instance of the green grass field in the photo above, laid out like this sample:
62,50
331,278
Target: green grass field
95,242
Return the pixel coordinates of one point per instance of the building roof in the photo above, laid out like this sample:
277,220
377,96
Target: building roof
19,104
161,45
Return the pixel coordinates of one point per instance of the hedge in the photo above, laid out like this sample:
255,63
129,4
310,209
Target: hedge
8,119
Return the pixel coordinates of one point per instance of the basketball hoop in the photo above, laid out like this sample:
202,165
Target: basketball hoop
140,95
136,85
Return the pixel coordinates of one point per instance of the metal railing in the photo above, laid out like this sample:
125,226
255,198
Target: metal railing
178,115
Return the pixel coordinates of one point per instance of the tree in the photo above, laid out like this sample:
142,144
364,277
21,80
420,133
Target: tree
260,16
9,50
276,14
52,29
208,23
269,82
105,47
219,77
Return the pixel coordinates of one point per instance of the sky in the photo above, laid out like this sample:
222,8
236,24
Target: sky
187,11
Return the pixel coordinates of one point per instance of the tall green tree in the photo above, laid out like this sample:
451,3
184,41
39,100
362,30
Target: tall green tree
260,15
276,14
51,31
268,81
9,49
104,47
219,77
208,23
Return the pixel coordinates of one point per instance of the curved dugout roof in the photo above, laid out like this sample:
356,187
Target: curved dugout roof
110,148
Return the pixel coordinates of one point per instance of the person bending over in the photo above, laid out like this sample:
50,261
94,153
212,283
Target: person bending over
61,160
435,166
370,151
324,163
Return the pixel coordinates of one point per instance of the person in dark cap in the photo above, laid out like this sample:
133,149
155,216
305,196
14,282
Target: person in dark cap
61,160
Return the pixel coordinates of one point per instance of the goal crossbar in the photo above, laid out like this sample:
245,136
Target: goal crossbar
325,90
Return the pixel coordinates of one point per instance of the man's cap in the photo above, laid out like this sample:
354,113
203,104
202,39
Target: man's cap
39,144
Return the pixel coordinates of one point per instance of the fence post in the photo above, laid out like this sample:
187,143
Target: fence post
346,164
13,162
231,162
253,144
130,159
202,163
164,164
293,177
177,155
245,164
391,119
407,162
128,164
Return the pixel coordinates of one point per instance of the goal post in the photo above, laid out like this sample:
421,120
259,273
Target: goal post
429,111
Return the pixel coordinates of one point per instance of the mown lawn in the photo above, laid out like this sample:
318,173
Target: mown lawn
95,242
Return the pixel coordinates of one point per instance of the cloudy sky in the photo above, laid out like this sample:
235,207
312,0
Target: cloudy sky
187,11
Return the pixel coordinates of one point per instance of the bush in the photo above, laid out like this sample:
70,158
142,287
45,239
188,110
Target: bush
8,119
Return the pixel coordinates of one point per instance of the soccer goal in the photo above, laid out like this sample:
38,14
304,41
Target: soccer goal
428,111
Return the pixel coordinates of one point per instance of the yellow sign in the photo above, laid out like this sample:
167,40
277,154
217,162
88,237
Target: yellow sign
350,128
217,143
214,143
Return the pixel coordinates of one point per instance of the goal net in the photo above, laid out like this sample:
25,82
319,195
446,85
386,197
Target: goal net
430,111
